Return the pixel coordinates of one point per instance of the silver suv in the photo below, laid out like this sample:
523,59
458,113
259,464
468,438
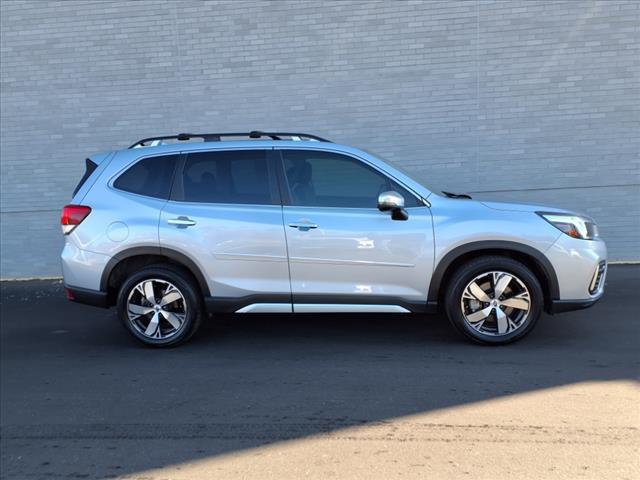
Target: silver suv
176,227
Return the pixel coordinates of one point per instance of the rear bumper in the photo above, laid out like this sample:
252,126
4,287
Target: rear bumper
87,297
82,267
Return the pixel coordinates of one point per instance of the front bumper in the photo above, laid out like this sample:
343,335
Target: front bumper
581,268
560,306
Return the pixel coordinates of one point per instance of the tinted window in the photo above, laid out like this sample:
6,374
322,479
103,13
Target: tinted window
150,177
324,179
239,176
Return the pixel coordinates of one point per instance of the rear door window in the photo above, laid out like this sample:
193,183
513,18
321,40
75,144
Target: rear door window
229,176
150,177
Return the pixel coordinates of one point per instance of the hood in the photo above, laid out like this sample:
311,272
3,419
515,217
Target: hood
521,207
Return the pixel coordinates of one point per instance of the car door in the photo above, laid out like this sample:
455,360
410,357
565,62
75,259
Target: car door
225,214
344,253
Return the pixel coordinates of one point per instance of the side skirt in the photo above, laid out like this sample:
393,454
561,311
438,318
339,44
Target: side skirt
316,304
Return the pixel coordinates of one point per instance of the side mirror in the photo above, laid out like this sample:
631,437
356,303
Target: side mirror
395,202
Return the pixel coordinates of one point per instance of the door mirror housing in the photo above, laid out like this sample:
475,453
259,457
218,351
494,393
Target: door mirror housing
395,202
389,201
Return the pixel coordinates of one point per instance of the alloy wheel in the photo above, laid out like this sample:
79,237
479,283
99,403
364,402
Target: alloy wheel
495,303
156,308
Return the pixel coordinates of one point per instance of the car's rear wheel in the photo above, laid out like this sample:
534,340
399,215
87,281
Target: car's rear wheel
160,305
494,300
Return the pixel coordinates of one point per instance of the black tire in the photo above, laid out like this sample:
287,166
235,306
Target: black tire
477,267
191,301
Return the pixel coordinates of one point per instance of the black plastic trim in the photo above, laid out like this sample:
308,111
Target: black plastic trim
166,252
273,168
88,297
233,304
177,184
560,306
542,261
278,163
90,167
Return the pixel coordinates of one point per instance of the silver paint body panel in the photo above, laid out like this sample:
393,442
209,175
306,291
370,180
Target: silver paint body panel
360,252
241,249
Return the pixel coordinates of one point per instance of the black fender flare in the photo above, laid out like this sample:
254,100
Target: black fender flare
496,246
177,257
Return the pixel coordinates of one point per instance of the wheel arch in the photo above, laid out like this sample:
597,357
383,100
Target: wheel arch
134,258
533,258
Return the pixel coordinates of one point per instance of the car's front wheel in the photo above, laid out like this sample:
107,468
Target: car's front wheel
160,305
494,300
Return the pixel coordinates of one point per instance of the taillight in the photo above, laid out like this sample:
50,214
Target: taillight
72,216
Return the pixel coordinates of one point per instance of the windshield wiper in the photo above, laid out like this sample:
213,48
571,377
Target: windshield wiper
457,195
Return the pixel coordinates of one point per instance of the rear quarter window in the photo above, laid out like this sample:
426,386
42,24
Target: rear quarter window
151,177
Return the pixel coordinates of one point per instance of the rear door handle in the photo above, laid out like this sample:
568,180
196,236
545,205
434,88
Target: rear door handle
303,227
181,222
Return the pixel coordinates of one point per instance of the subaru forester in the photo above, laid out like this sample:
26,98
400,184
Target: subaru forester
178,227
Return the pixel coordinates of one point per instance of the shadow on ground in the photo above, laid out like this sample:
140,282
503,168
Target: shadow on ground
80,398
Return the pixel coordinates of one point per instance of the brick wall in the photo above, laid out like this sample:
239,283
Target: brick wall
533,101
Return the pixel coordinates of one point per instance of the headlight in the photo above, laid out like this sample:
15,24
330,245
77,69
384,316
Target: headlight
573,225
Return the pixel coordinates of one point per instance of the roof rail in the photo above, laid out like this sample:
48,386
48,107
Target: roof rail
216,137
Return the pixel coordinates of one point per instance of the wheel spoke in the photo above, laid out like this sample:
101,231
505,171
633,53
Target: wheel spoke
502,321
175,319
521,301
501,283
169,297
139,309
148,292
477,292
140,290
153,326
479,315
478,325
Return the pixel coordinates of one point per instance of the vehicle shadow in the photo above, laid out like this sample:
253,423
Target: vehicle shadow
76,386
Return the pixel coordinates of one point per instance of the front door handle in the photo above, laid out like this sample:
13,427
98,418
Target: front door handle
181,222
303,227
